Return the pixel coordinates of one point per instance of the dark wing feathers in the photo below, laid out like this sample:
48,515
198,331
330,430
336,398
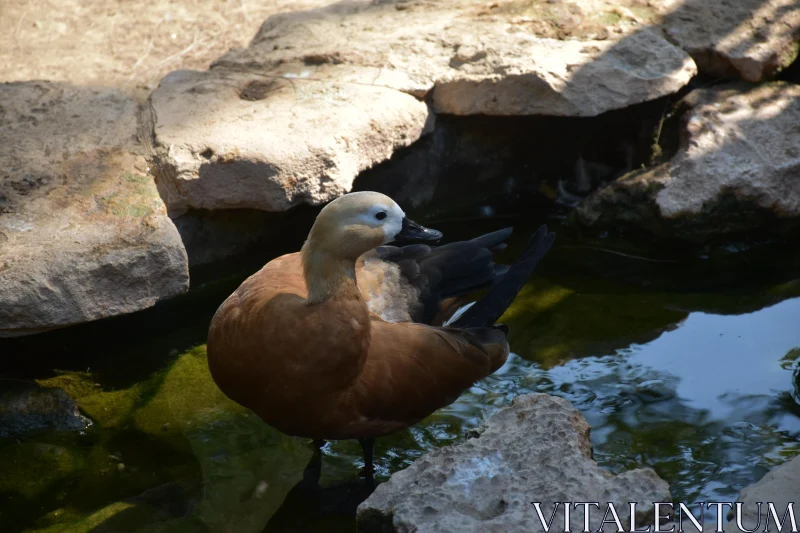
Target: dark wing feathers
493,304
470,269
459,268
495,241
447,271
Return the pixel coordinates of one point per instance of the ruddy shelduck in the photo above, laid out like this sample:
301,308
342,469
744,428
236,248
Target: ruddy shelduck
350,339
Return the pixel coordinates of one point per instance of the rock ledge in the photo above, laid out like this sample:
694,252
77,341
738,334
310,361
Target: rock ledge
536,450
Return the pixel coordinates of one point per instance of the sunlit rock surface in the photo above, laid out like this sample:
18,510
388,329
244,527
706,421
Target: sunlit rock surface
735,172
747,39
84,234
323,94
538,449
233,139
505,58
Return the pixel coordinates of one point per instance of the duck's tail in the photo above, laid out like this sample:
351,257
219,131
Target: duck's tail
488,310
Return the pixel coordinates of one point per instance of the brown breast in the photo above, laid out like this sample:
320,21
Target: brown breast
284,359
330,370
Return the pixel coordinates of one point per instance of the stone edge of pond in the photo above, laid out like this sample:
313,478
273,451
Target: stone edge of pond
537,449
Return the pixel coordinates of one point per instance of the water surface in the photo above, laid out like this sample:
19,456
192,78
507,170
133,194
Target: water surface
685,365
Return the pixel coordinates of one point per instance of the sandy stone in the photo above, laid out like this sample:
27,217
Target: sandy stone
83,232
532,76
747,39
735,172
126,44
323,94
482,58
229,139
536,450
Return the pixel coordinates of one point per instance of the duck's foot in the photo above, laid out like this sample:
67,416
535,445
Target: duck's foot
368,447
369,481
366,472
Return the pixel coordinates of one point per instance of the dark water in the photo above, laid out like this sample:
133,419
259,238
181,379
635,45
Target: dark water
686,364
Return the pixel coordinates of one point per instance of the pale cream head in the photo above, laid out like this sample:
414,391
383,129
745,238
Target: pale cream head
346,229
356,223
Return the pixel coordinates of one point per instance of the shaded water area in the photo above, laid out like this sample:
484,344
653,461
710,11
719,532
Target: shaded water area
684,362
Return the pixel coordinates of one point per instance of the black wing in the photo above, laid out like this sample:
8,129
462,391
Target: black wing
447,271
493,304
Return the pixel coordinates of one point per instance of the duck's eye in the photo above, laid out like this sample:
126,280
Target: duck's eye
380,215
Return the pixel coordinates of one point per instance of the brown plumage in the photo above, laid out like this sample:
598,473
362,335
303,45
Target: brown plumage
324,344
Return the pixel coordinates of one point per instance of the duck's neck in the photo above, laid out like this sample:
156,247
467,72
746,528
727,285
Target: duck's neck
327,275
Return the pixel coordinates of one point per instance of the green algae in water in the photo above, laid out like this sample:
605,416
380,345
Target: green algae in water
649,352
172,436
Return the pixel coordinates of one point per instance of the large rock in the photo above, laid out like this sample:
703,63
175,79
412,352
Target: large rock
83,232
476,57
323,94
231,139
747,39
736,171
537,450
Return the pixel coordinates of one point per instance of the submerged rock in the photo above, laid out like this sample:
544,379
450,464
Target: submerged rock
83,232
735,172
191,456
30,409
536,450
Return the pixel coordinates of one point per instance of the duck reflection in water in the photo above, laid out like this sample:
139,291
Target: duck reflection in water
310,507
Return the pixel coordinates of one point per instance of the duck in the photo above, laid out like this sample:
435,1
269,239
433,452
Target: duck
365,331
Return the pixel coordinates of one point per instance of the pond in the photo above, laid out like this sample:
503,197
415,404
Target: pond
685,363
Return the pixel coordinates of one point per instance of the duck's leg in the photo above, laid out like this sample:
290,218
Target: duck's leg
313,469
368,447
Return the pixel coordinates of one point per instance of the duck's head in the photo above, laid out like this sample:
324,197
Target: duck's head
358,222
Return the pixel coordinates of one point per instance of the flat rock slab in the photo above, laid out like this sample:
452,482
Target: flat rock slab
747,39
536,450
503,58
84,234
736,171
234,139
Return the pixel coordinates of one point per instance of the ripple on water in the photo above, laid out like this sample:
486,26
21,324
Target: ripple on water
708,404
